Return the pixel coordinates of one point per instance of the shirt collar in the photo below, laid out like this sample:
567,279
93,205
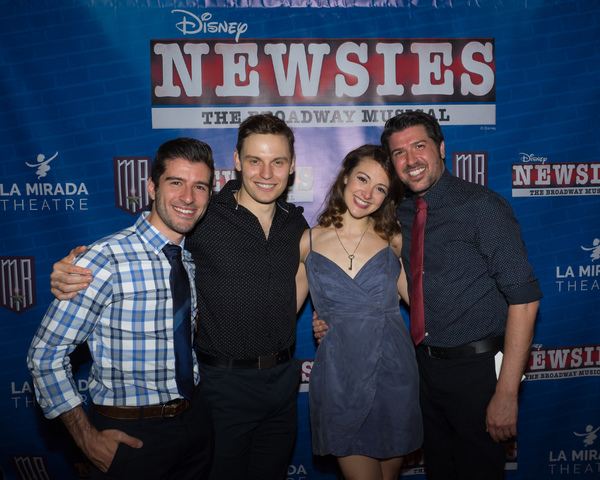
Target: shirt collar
226,194
437,194
151,235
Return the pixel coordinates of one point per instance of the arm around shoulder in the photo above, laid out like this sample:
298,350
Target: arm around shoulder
301,278
396,244
66,279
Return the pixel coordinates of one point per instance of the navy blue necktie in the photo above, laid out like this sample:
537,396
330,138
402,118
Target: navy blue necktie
182,326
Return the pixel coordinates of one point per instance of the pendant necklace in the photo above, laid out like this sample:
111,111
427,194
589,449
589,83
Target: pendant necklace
351,255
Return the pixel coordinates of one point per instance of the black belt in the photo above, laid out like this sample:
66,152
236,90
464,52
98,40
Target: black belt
473,348
261,363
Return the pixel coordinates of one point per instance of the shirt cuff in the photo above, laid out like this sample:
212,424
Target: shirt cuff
53,411
525,293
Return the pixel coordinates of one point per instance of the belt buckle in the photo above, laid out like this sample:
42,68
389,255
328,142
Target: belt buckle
435,352
163,413
173,406
267,362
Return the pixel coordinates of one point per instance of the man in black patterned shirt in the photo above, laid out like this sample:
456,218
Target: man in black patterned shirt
480,297
246,251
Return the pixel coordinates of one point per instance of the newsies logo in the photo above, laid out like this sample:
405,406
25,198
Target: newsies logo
535,177
208,83
307,365
563,362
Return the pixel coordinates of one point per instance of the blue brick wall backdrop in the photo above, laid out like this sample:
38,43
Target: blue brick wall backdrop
76,92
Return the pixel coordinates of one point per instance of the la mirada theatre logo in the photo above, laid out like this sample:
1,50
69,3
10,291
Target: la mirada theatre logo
584,277
42,194
583,458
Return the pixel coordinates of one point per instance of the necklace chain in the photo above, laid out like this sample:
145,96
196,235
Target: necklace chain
351,255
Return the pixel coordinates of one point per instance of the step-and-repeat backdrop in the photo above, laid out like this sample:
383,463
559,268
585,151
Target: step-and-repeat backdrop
90,89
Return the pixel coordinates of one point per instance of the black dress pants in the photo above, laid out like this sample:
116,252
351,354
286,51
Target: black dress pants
454,396
177,448
255,414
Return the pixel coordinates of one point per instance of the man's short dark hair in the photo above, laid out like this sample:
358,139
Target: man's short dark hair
406,120
264,124
190,149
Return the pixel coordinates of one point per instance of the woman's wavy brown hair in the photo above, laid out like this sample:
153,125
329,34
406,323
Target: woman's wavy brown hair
385,222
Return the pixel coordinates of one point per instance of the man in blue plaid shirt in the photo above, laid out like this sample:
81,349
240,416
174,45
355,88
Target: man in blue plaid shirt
139,425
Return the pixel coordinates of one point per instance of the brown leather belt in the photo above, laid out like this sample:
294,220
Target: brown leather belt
473,348
167,410
261,363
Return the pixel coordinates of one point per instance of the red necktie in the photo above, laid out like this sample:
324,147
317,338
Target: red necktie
417,310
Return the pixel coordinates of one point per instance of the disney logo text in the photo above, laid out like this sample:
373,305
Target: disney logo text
530,158
192,24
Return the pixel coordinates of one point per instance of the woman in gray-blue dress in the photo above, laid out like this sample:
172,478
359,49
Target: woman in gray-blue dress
363,390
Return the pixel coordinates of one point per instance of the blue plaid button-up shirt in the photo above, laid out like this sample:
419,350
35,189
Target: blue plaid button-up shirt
126,318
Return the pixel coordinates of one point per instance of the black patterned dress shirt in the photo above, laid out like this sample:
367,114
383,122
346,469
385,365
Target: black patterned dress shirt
475,262
245,282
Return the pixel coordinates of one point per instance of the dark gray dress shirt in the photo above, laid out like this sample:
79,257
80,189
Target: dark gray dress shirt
475,262
245,282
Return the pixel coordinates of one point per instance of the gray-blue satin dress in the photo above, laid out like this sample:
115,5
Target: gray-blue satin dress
364,384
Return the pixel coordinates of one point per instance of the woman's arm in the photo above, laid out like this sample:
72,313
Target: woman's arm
396,244
301,279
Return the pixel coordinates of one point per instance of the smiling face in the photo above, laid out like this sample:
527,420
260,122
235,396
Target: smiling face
265,164
417,160
366,188
180,198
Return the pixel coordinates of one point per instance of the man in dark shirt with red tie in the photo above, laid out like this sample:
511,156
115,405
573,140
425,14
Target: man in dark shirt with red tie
480,297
